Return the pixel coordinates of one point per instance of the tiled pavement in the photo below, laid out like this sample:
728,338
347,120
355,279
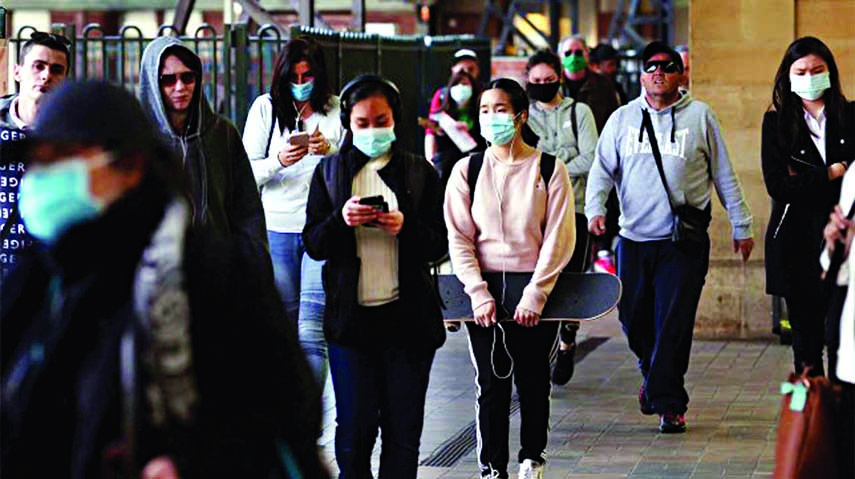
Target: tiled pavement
597,430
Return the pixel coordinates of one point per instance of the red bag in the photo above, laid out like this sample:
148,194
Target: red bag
806,445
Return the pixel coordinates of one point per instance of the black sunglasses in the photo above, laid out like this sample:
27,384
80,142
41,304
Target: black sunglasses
667,66
577,53
170,79
42,36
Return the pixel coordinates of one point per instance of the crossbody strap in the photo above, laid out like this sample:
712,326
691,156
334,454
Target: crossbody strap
647,124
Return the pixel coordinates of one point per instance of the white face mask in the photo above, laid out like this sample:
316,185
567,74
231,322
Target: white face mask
810,87
461,93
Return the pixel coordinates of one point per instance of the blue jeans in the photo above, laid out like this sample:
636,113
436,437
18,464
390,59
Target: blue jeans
298,279
661,290
385,388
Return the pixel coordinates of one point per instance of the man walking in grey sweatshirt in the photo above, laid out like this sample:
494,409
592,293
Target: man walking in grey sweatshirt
662,283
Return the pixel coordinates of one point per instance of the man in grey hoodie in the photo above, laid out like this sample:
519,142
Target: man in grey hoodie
662,284
219,179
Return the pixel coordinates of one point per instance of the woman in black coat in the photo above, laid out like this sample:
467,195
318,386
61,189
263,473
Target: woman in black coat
808,143
375,215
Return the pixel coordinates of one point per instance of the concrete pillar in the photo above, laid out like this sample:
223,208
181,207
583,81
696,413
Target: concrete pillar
735,48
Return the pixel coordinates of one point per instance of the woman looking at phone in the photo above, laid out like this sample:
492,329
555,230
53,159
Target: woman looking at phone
383,319
287,133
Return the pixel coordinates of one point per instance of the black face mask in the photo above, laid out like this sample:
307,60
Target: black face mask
543,92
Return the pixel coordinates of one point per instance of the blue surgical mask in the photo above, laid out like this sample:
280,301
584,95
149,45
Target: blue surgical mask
374,141
55,197
810,87
303,91
498,128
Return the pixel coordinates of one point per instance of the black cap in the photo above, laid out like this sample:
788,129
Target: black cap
657,47
93,112
603,52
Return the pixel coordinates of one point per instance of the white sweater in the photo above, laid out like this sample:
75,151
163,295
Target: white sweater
285,190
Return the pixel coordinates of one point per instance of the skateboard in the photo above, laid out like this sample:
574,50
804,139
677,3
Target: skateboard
576,296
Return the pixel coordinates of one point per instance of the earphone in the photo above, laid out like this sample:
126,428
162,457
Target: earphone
390,91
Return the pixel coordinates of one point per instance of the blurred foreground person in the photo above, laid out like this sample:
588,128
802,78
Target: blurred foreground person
132,337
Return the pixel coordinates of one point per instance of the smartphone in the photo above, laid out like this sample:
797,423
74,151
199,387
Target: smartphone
299,138
376,201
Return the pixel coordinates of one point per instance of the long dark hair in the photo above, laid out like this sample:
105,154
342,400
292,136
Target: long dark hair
791,122
450,106
519,103
294,52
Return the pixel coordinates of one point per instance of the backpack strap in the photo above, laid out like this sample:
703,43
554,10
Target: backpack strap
547,167
272,124
476,160
573,122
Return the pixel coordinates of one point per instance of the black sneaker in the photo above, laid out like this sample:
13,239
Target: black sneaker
646,408
670,423
565,365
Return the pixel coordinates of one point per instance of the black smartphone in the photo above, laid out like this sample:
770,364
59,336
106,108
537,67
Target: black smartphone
375,201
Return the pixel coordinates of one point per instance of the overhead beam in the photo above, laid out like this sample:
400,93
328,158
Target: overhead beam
183,9
258,14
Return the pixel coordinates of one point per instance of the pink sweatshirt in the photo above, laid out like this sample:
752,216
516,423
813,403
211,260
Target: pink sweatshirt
513,225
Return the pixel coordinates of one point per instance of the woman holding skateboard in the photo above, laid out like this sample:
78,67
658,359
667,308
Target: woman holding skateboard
287,133
375,216
506,211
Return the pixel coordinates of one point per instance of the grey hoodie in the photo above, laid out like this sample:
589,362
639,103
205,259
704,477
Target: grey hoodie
554,126
693,153
220,182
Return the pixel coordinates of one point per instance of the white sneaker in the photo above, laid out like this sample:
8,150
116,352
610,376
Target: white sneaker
530,470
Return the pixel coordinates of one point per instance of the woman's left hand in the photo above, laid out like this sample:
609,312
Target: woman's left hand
390,222
526,318
318,144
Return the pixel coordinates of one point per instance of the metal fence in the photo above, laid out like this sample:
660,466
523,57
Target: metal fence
237,65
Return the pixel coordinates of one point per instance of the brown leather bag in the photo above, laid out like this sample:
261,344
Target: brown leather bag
806,445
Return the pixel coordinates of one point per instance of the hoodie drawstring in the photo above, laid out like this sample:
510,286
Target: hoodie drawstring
673,124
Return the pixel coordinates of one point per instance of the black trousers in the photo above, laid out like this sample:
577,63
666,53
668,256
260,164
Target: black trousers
662,287
807,309
526,363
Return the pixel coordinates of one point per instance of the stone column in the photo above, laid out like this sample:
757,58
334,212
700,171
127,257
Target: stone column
735,48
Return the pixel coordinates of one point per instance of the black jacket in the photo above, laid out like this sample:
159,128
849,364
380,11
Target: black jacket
598,92
423,238
62,407
802,199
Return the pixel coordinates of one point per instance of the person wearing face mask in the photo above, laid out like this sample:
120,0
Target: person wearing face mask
807,145
135,343
515,219
583,84
461,104
465,62
566,129
300,103
375,216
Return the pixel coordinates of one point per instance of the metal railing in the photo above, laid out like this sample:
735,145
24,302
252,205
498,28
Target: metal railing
237,65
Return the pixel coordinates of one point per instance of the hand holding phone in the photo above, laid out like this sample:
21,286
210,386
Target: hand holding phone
376,201
299,138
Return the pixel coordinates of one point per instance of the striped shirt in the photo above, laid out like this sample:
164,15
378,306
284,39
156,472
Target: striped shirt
378,250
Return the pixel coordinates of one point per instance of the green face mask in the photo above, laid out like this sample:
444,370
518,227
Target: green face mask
574,63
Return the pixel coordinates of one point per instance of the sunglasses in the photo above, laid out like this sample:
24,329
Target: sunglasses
578,53
666,66
42,36
170,79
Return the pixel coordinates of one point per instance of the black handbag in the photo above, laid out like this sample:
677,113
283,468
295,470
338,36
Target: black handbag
689,229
